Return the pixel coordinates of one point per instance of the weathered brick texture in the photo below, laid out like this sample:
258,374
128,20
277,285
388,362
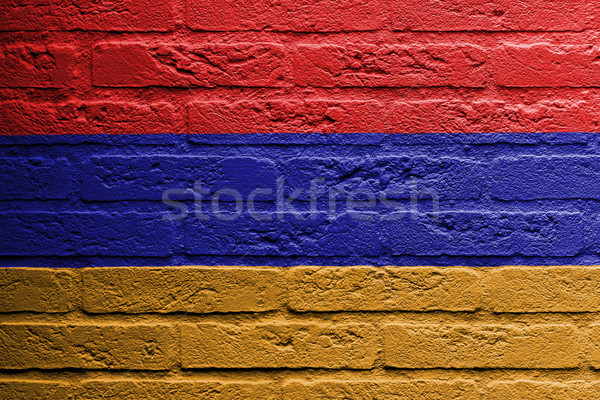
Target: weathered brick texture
215,64
278,345
536,389
498,15
286,15
87,15
544,65
98,117
552,115
123,347
360,389
528,178
301,116
94,233
35,178
164,290
295,199
549,289
37,66
41,290
204,66
383,289
77,69
299,333
355,65
36,390
178,390
481,346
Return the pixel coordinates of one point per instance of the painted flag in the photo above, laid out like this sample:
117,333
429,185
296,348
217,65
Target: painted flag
225,199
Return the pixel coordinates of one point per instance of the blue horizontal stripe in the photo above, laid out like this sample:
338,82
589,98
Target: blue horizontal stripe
267,199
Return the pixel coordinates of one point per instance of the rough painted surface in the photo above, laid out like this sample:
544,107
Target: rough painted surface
481,346
376,199
347,66
88,15
56,346
88,67
166,290
278,345
415,333
302,289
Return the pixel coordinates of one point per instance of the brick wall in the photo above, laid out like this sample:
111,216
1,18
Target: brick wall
146,330
300,333
378,199
127,326
142,329
208,66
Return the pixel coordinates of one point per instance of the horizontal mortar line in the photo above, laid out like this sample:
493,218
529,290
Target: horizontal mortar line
291,34
289,374
67,370
377,319
191,87
299,260
491,92
284,369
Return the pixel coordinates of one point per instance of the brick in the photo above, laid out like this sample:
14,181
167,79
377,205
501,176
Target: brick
49,346
383,289
401,233
445,116
283,234
84,234
364,65
177,390
546,65
36,390
125,64
93,117
89,15
537,390
481,346
543,289
496,15
35,178
39,290
595,345
428,116
278,345
544,177
37,66
110,178
555,115
472,233
416,389
395,177
185,289
285,116
286,15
